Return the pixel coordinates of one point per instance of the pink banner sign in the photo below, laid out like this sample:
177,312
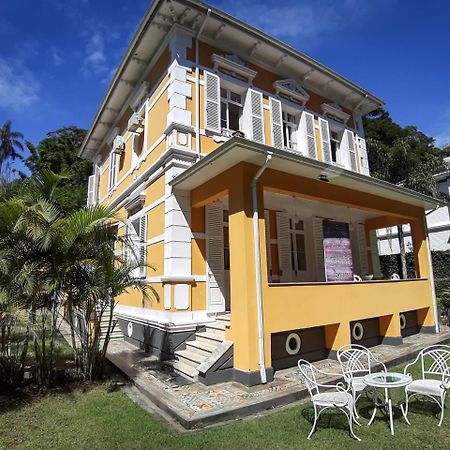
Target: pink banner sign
337,250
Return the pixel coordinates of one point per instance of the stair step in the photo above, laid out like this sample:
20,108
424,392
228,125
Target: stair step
203,347
210,337
184,369
224,318
193,356
220,326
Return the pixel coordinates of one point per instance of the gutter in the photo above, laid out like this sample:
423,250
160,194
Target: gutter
197,85
258,275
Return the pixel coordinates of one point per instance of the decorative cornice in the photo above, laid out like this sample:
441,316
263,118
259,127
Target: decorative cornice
291,89
334,110
234,66
135,202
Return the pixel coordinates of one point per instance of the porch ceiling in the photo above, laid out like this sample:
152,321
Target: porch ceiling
238,150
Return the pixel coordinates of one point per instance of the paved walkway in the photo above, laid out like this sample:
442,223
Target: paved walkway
195,405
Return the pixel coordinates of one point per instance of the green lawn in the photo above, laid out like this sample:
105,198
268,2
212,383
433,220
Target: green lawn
103,420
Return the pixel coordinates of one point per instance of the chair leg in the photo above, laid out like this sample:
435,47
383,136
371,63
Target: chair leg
316,416
442,409
405,410
350,419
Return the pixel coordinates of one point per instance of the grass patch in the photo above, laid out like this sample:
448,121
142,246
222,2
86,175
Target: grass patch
97,419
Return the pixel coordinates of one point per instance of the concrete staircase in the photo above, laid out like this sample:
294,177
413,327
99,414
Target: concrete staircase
116,333
200,350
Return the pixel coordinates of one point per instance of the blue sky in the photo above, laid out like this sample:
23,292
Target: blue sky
57,57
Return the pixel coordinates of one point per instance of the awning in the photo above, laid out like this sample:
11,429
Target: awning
238,150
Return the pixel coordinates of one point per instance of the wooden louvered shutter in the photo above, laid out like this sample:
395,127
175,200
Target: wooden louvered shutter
268,252
91,190
318,248
325,138
112,170
362,246
215,257
143,245
212,102
364,165
284,247
253,114
308,136
276,123
351,150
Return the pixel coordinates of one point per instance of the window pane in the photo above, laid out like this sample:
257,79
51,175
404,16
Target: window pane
234,112
235,97
223,93
223,115
300,241
299,225
301,258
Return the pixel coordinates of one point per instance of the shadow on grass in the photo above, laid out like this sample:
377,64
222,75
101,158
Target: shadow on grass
334,419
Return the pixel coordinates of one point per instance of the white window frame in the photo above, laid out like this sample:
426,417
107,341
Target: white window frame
293,247
293,126
228,88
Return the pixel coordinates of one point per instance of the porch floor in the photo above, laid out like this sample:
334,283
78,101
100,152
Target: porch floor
196,405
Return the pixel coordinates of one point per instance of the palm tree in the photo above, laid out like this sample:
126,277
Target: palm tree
10,144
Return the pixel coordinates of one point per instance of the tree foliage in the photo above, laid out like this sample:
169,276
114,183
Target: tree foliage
58,152
402,154
11,144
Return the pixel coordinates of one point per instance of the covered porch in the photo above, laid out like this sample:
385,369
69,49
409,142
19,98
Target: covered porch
312,283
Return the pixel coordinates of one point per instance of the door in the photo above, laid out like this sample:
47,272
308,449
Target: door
215,272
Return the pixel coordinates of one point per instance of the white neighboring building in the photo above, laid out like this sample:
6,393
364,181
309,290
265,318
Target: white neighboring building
438,225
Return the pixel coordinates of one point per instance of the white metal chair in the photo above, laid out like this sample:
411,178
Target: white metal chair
395,276
356,277
327,396
435,365
357,361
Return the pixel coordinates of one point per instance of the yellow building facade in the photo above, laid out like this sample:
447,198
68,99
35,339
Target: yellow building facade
239,167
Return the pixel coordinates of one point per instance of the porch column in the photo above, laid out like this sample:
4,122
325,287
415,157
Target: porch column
244,324
337,335
390,329
422,258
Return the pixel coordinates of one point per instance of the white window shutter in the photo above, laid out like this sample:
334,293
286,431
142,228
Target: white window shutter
214,237
284,247
254,115
351,150
268,252
325,138
362,246
364,158
307,135
318,248
91,190
212,102
112,170
276,123
125,244
143,245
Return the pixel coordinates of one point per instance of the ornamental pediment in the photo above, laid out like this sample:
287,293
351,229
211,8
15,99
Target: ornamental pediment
234,66
291,89
334,110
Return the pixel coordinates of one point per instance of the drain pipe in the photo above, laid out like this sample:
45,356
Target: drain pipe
258,275
430,265
197,85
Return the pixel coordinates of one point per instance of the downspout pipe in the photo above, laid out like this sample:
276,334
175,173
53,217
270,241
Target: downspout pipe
258,274
197,84
430,265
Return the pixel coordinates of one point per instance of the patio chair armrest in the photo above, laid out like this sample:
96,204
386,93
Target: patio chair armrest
411,364
446,379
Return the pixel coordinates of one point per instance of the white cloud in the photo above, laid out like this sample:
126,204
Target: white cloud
18,86
306,19
56,56
94,57
443,138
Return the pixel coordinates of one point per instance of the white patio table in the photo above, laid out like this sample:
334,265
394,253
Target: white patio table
386,381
